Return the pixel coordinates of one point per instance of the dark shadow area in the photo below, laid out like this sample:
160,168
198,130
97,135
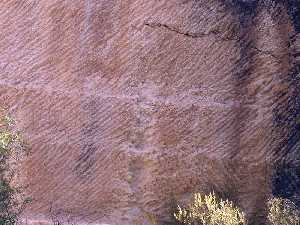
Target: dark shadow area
286,179
294,11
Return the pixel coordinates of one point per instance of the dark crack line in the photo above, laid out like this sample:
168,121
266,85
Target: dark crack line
189,34
266,53
201,35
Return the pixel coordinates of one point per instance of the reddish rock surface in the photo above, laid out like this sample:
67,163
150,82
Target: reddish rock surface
126,104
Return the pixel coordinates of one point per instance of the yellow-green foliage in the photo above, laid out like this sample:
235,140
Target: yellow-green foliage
151,218
209,210
283,212
5,140
11,148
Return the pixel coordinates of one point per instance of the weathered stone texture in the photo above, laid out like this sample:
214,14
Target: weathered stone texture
126,104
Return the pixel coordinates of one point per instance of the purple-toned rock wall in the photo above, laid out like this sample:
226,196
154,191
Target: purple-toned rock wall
129,103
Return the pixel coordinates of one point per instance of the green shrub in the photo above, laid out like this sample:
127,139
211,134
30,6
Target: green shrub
12,148
209,210
283,212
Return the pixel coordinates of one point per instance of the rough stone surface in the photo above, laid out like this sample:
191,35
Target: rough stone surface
129,103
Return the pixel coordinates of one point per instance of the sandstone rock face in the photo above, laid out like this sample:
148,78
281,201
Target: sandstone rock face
129,103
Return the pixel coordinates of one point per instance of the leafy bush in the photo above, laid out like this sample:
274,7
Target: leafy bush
12,148
209,210
283,212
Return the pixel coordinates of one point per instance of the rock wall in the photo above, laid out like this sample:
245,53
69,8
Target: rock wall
127,104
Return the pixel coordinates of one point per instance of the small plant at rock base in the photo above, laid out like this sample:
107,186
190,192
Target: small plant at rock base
12,202
209,210
151,218
283,212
